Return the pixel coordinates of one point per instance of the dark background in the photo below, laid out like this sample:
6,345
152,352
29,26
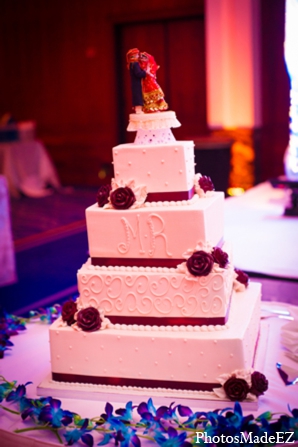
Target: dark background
62,64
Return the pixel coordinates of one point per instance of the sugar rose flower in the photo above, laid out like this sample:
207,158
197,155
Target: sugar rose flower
205,183
242,277
220,257
236,389
200,263
259,383
68,312
89,319
122,198
103,195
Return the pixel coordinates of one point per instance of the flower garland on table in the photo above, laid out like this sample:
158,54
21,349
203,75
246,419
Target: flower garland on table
173,426
11,324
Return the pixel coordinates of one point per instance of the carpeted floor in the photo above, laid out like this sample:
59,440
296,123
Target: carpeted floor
50,245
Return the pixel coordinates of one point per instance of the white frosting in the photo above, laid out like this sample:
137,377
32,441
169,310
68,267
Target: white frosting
165,167
155,291
181,355
155,231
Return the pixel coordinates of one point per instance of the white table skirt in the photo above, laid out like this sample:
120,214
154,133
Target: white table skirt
264,240
29,360
27,168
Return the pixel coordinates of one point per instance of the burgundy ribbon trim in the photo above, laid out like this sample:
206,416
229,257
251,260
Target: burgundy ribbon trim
137,262
167,321
170,196
121,381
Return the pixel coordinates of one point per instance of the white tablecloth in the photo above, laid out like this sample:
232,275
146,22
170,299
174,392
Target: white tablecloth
7,257
27,168
264,240
30,361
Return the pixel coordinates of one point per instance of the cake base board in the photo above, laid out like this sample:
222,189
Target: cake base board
110,393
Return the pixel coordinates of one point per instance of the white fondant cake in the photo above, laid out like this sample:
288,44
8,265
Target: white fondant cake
158,230
192,357
156,305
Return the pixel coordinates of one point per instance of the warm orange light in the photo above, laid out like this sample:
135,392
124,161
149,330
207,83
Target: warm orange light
235,192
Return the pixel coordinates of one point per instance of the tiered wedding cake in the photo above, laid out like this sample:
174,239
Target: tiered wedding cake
160,304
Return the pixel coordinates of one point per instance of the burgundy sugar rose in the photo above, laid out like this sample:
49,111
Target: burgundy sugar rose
205,183
89,319
68,311
122,198
259,383
236,389
220,256
103,194
242,277
200,263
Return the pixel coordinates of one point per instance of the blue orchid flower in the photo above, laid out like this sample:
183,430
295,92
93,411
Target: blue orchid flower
126,413
173,440
4,388
32,407
82,434
18,394
53,414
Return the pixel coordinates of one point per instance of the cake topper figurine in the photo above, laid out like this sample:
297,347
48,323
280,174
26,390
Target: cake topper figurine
147,95
136,76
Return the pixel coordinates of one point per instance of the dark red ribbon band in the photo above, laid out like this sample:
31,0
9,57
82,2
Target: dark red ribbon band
137,262
121,381
167,321
170,196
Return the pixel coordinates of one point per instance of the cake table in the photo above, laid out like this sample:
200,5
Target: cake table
29,362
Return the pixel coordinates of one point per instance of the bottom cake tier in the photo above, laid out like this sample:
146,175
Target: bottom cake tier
174,357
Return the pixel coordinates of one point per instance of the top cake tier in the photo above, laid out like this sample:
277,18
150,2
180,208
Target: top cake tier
155,159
